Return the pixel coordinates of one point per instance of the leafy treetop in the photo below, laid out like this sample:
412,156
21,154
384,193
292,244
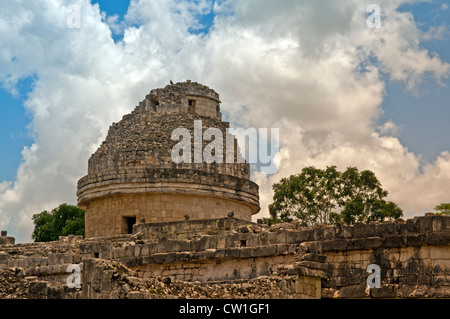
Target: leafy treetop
328,196
61,221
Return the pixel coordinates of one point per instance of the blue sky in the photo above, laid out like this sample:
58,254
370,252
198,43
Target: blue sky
14,132
423,116
113,7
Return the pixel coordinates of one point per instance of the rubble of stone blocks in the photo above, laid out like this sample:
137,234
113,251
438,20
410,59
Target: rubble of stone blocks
112,280
192,259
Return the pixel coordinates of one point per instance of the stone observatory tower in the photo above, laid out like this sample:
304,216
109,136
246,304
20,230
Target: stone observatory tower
133,174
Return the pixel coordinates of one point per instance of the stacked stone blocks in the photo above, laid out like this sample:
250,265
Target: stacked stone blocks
133,175
413,255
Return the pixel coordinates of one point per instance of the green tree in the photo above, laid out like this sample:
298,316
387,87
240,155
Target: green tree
443,209
328,196
62,221
309,197
43,227
383,210
362,198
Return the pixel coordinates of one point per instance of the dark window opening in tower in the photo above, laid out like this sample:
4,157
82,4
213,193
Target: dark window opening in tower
152,104
129,222
191,106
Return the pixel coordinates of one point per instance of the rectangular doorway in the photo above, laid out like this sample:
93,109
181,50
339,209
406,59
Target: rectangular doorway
129,221
191,106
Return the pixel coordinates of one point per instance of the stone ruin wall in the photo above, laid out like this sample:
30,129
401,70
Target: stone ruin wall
5,239
111,280
170,98
108,213
25,268
228,258
143,141
132,174
39,271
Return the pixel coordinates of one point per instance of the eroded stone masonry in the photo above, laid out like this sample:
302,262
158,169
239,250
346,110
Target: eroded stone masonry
232,258
132,175
157,229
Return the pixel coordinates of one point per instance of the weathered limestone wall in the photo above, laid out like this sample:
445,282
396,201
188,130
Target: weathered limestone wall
203,106
108,279
105,216
38,270
202,258
406,272
187,229
216,269
144,141
4,239
413,256
187,97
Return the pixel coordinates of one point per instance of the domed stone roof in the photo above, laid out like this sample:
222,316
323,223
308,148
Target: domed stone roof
136,159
